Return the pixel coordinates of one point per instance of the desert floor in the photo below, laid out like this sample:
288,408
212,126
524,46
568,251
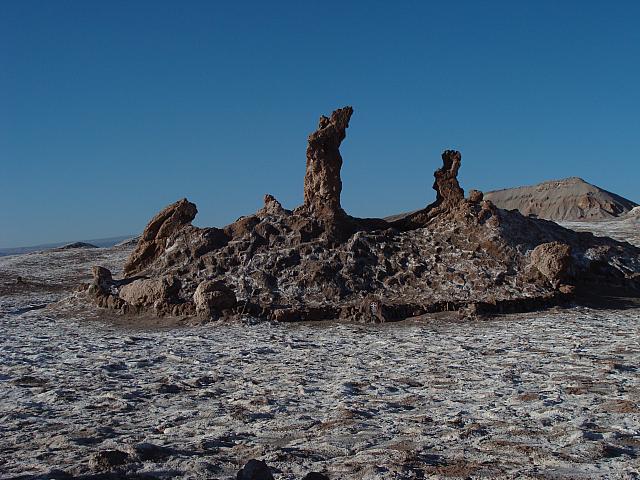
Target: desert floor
553,394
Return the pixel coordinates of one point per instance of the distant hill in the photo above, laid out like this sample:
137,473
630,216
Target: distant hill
96,243
570,199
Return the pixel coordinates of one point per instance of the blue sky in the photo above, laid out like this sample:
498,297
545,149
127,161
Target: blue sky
111,110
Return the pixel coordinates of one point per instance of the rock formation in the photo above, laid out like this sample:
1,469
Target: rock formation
155,235
448,191
322,183
316,262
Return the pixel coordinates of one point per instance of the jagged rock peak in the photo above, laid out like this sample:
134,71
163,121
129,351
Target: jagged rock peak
448,190
322,183
153,239
272,206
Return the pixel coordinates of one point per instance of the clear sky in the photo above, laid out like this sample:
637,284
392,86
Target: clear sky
110,110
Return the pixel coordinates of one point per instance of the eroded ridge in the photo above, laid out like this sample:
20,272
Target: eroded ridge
317,262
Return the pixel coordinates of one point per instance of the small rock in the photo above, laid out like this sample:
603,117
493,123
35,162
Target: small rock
315,476
610,451
255,470
150,452
169,388
108,459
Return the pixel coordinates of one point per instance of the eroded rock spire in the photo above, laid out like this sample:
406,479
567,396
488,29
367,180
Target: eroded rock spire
322,183
448,190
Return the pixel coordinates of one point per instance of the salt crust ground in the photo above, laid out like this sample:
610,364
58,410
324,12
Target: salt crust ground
547,395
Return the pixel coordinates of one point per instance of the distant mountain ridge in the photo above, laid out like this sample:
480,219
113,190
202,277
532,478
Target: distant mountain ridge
568,199
95,243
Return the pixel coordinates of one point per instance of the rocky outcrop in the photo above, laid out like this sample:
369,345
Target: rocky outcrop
316,262
155,235
322,183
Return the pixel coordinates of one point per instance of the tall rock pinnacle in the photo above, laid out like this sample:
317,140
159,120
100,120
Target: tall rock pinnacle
322,184
448,190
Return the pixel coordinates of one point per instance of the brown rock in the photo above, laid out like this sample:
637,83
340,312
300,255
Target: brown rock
272,206
318,263
102,279
212,297
149,292
448,194
255,470
552,260
153,240
448,190
475,196
106,460
322,184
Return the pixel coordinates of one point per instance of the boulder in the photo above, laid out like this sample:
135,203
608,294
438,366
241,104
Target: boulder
148,292
102,281
154,238
552,260
255,470
212,297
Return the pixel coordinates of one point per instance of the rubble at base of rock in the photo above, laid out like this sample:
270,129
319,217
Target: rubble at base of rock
316,262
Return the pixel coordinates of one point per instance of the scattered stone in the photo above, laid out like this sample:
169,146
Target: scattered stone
169,388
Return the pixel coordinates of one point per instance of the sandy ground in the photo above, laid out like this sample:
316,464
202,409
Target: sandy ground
554,394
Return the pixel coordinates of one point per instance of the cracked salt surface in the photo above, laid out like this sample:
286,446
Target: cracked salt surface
544,395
